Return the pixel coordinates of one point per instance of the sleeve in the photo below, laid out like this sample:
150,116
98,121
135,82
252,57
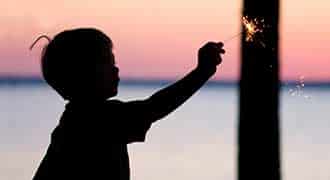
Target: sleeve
132,120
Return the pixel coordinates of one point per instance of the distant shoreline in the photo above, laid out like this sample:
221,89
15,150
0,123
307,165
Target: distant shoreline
23,81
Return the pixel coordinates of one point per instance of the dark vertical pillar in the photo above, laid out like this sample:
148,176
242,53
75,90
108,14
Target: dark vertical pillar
259,136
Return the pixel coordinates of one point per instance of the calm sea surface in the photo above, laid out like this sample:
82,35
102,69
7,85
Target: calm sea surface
197,141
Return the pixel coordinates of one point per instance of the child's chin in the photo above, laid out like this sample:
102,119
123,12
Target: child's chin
112,93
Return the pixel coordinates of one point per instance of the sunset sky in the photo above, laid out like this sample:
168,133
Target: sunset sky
160,38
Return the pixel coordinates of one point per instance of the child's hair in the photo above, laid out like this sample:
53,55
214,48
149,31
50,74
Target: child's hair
72,59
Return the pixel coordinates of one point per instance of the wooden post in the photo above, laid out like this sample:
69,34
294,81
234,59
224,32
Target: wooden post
258,138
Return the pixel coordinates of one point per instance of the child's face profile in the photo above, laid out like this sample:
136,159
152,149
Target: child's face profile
110,78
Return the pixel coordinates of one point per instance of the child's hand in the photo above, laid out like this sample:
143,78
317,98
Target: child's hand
209,56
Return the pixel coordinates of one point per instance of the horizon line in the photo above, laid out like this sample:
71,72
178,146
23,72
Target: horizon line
26,80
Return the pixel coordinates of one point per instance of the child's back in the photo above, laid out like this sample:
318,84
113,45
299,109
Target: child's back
91,140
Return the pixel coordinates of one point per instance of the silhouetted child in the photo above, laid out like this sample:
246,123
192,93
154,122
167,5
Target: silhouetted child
90,141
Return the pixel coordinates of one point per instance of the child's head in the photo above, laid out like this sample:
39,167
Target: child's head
79,64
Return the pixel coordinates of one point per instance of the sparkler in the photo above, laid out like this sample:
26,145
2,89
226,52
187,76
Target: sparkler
252,27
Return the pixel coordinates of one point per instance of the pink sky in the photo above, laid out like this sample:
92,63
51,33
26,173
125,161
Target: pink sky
160,39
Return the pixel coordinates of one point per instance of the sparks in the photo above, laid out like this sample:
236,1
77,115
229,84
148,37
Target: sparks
299,89
252,27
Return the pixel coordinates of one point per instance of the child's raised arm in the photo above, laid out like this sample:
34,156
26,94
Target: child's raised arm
168,99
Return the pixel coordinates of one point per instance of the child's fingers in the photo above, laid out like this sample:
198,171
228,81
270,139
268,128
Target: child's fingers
222,51
220,47
220,44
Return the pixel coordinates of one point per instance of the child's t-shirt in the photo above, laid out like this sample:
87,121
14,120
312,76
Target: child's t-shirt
90,141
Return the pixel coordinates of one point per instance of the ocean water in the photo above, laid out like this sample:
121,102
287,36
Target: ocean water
197,141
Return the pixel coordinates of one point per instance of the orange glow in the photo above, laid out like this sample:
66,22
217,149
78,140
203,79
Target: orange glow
250,27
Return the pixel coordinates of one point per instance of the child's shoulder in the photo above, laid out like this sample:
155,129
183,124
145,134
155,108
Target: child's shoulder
114,101
94,104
